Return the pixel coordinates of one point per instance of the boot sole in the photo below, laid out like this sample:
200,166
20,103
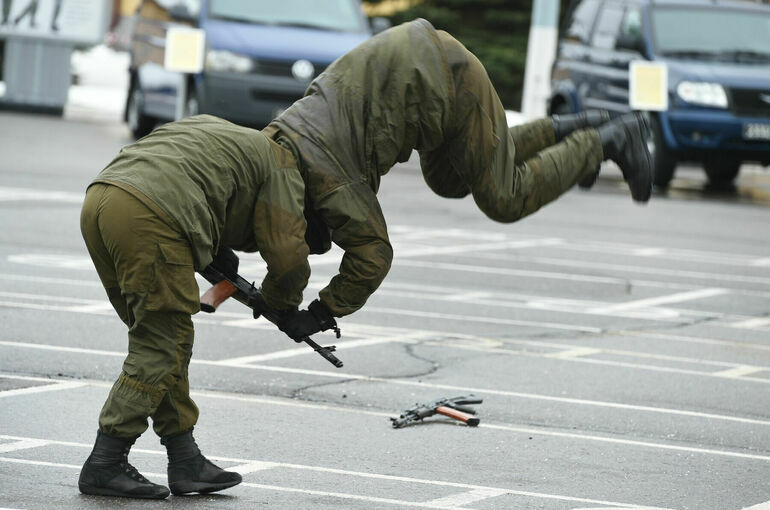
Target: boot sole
102,491
641,183
188,487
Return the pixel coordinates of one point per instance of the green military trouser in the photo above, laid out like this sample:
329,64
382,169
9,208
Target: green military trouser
510,172
146,267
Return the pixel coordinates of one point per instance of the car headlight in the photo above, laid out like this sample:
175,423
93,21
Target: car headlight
705,94
221,60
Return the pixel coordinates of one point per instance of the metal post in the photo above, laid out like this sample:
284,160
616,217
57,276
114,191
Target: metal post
37,75
541,51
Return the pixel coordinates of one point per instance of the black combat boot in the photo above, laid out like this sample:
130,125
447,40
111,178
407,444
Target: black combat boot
624,141
563,125
108,473
189,471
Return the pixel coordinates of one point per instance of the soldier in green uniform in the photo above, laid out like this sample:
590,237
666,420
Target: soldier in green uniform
413,87
166,206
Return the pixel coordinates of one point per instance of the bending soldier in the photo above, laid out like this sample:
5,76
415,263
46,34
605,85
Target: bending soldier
160,211
413,87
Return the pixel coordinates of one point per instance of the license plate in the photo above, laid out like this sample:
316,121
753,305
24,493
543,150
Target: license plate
756,131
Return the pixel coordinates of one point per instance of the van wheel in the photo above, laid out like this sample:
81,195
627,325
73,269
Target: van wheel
722,171
663,160
562,109
139,123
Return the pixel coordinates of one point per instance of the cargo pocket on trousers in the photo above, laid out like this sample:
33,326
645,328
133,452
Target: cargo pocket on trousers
174,288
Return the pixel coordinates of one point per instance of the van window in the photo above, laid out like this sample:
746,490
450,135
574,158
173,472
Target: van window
337,15
582,20
733,34
606,32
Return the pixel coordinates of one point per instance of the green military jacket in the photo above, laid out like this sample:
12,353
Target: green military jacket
365,113
223,185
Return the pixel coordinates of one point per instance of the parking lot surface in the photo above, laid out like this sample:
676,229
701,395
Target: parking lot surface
622,352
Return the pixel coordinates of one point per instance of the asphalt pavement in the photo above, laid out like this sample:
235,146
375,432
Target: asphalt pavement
622,351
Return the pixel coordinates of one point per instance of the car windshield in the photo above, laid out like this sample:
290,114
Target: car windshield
337,15
712,33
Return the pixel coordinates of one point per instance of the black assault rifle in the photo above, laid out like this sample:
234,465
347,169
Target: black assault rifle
225,286
453,407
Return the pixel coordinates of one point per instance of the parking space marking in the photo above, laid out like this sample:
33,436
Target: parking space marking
693,339
755,323
640,309
424,384
336,471
302,351
36,195
574,353
740,371
578,354
465,498
502,427
629,442
662,300
477,247
251,467
40,463
22,444
66,385
485,320
760,506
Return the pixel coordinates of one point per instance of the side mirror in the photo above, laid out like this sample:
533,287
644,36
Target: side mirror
379,24
180,12
630,42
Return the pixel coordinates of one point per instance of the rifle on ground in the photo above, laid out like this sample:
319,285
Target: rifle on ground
225,286
452,407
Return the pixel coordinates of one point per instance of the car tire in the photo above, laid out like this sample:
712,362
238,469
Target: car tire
139,123
722,171
562,109
663,160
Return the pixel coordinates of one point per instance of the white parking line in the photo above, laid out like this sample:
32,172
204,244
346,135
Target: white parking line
423,384
739,371
760,506
22,444
465,498
41,389
302,351
509,428
755,323
655,271
476,318
489,490
574,353
37,195
661,300
251,467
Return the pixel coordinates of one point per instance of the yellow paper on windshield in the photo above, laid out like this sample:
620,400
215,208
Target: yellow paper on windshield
648,86
184,50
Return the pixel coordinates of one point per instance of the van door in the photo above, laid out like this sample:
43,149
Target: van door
608,69
571,65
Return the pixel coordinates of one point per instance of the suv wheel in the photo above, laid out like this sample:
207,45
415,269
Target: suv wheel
139,123
663,161
722,171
